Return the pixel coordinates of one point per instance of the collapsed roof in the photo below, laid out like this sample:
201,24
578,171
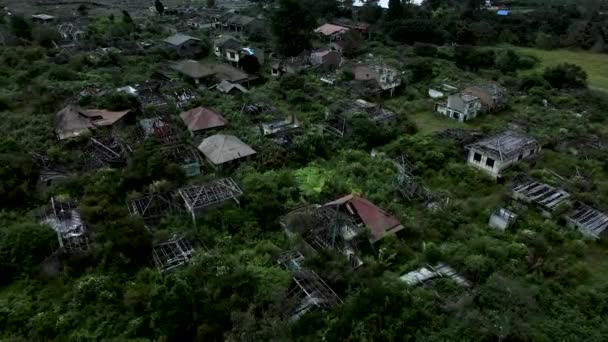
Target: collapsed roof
377,220
506,145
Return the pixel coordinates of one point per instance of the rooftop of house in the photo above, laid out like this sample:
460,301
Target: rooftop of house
466,97
505,145
200,196
430,272
179,39
589,221
73,121
238,19
200,118
540,194
227,87
223,148
280,126
227,42
490,88
193,69
377,220
330,29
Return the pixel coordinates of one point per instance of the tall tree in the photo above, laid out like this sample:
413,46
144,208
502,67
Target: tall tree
395,10
292,27
160,8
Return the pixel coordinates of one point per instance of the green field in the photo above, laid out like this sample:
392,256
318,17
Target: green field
595,64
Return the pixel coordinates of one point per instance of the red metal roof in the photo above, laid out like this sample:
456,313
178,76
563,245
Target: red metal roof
377,220
201,118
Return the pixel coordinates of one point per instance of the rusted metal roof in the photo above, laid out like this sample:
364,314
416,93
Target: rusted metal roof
201,118
377,220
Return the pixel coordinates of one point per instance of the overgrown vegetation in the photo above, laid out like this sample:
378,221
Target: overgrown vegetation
537,281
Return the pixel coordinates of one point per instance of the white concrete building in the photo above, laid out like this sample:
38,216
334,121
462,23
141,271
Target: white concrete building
497,153
460,106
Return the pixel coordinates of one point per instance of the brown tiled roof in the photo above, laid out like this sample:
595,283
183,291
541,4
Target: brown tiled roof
201,118
377,220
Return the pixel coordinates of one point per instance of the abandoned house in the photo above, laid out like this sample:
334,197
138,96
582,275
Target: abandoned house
379,75
186,156
73,121
546,197
460,106
591,222
326,59
442,90
158,128
497,153
331,31
229,88
185,46
193,70
154,206
200,119
149,94
172,253
103,151
307,291
365,214
227,48
339,225
242,24
291,65
493,97
198,199
428,273
64,218
374,112
221,150
281,127
211,74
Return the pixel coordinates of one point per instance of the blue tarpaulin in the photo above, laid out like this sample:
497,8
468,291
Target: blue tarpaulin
502,12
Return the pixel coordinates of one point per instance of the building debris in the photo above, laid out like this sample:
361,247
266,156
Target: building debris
186,156
307,291
428,273
64,218
461,136
103,151
159,128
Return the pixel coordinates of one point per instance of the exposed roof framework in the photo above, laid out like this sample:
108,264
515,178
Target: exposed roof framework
307,290
336,125
172,253
506,145
412,187
254,109
152,207
104,151
326,228
159,128
48,172
543,195
197,198
64,218
589,221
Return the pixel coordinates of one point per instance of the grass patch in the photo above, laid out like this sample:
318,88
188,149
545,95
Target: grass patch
428,122
595,64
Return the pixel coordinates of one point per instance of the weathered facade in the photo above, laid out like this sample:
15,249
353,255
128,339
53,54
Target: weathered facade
495,154
460,106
